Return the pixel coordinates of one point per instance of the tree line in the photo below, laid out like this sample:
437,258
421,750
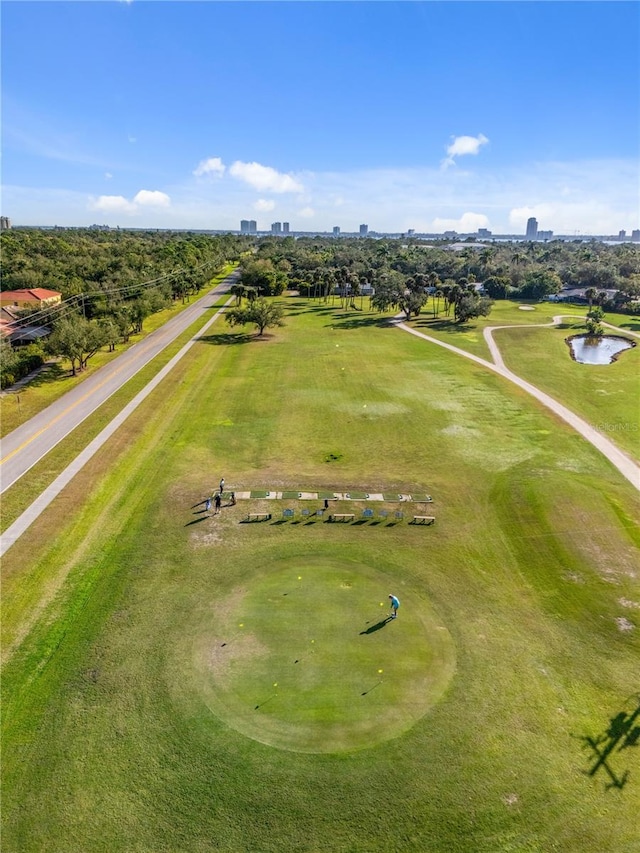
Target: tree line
401,272
110,282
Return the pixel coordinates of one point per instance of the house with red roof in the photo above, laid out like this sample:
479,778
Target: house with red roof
33,297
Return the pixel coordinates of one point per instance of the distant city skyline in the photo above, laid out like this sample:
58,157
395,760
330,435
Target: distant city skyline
430,117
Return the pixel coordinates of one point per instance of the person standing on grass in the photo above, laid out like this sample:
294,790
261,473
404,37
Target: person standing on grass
221,485
395,603
207,505
233,498
218,501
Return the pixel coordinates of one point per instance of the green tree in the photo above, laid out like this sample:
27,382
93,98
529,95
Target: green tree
76,339
470,305
261,313
540,283
262,275
594,322
394,291
497,286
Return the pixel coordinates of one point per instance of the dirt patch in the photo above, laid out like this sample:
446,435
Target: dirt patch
624,624
206,540
236,649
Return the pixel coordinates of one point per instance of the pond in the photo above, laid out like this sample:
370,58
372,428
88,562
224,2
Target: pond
604,350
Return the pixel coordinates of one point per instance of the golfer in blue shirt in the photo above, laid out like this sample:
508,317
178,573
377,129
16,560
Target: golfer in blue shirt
395,603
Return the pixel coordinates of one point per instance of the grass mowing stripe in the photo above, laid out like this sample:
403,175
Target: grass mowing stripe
125,749
16,499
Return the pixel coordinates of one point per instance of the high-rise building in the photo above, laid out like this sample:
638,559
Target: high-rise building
244,226
336,230
285,227
5,223
253,226
276,227
622,235
364,230
635,235
532,228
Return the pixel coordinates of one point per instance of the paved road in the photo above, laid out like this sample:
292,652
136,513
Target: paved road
625,464
25,446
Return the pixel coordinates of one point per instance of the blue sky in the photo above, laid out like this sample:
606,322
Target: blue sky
433,116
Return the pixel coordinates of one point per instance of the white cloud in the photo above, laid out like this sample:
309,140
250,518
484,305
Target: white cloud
152,198
264,205
467,223
461,146
265,178
119,204
112,204
212,166
107,176
602,198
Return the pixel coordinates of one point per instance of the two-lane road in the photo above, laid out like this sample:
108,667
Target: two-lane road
25,446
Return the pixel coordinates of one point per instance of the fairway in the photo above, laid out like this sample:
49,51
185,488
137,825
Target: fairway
151,696
308,659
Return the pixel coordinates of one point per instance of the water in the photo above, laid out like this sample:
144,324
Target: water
597,350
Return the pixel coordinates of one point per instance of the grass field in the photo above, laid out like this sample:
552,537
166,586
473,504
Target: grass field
56,379
604,395
129,726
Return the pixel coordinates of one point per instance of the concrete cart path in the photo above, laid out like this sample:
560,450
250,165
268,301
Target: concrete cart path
558,318
625,464
24,521
26,445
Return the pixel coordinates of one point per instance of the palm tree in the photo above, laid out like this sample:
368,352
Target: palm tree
437,296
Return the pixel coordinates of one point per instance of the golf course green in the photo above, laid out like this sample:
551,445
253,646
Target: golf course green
151,698
307,658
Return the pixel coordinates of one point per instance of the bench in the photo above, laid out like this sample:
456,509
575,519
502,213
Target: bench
259,516
423,519
342,516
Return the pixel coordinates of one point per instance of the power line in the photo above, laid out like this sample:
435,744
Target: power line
71,303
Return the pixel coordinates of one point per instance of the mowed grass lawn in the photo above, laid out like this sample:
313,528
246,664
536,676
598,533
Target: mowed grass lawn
128,727
606,395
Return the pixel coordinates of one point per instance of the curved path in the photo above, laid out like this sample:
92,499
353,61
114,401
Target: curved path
496,354
24,521
26,445
625,464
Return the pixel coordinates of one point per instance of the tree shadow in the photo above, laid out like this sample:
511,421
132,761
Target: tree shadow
622,732
633,326
449,325
224,339
48,374
372,628
351,322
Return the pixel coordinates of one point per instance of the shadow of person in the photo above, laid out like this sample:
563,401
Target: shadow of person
197,520
377,626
